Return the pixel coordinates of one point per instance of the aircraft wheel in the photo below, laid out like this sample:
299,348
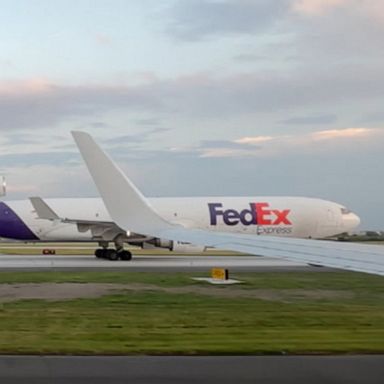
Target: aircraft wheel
100,253
112,255
125,255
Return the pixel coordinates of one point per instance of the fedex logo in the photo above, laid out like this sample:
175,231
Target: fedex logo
257,214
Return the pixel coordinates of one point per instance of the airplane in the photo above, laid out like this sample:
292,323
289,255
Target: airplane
131,211
87,220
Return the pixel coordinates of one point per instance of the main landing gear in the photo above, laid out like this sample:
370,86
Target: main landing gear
112,254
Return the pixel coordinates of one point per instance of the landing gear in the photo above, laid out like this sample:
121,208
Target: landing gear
112,254
125,255
100,253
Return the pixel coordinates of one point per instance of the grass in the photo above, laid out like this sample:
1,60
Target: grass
160,279
158,322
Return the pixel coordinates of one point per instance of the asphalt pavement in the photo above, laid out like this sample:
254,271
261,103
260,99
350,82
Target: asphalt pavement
153,263
188,370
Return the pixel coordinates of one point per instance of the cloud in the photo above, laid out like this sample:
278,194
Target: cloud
339,33
310,120
373,117
135,139
148,121
316,7
19,139
27,105
342,133
29,158
33,86
99,124
373,9
199,19
253,140
226,152
39,104
23,189
22,181
250,57
266,146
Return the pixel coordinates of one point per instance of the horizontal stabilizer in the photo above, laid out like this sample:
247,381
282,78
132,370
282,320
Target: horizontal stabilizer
43,210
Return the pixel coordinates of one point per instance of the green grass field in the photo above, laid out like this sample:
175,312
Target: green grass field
306,312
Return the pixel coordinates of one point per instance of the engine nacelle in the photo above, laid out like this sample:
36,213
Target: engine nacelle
177,246
182,247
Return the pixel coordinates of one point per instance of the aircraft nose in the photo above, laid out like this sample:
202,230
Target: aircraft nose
11,226
350,221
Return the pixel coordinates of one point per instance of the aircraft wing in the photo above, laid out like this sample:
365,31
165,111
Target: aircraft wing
130,210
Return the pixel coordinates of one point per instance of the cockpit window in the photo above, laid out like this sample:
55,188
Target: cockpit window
345,211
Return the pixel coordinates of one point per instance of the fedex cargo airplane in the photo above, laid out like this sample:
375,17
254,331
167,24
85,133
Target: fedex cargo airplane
257,226
87,219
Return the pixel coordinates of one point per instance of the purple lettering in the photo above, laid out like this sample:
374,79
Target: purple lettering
231,217
213,212
250,213
257,214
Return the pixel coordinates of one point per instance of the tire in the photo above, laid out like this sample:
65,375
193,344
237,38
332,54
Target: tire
100,253
125,255
112,255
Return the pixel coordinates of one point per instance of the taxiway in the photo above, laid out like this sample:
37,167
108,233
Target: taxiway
191,370
148,263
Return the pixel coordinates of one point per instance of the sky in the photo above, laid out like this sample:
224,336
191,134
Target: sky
197,97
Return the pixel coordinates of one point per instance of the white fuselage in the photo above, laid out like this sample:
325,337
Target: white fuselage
264,215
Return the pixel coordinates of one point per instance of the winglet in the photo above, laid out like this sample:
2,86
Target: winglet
127,206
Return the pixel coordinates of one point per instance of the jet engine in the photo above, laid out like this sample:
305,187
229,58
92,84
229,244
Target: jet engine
177,246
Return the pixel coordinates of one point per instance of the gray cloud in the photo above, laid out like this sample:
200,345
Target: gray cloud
199,19
250,57
25,108
148,122
196,96
20,138
220,144
339,38
99,124
138,138
267,92
320,119
373,117
39,158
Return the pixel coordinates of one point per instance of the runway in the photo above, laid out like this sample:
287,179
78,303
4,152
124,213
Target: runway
188,370
148,263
